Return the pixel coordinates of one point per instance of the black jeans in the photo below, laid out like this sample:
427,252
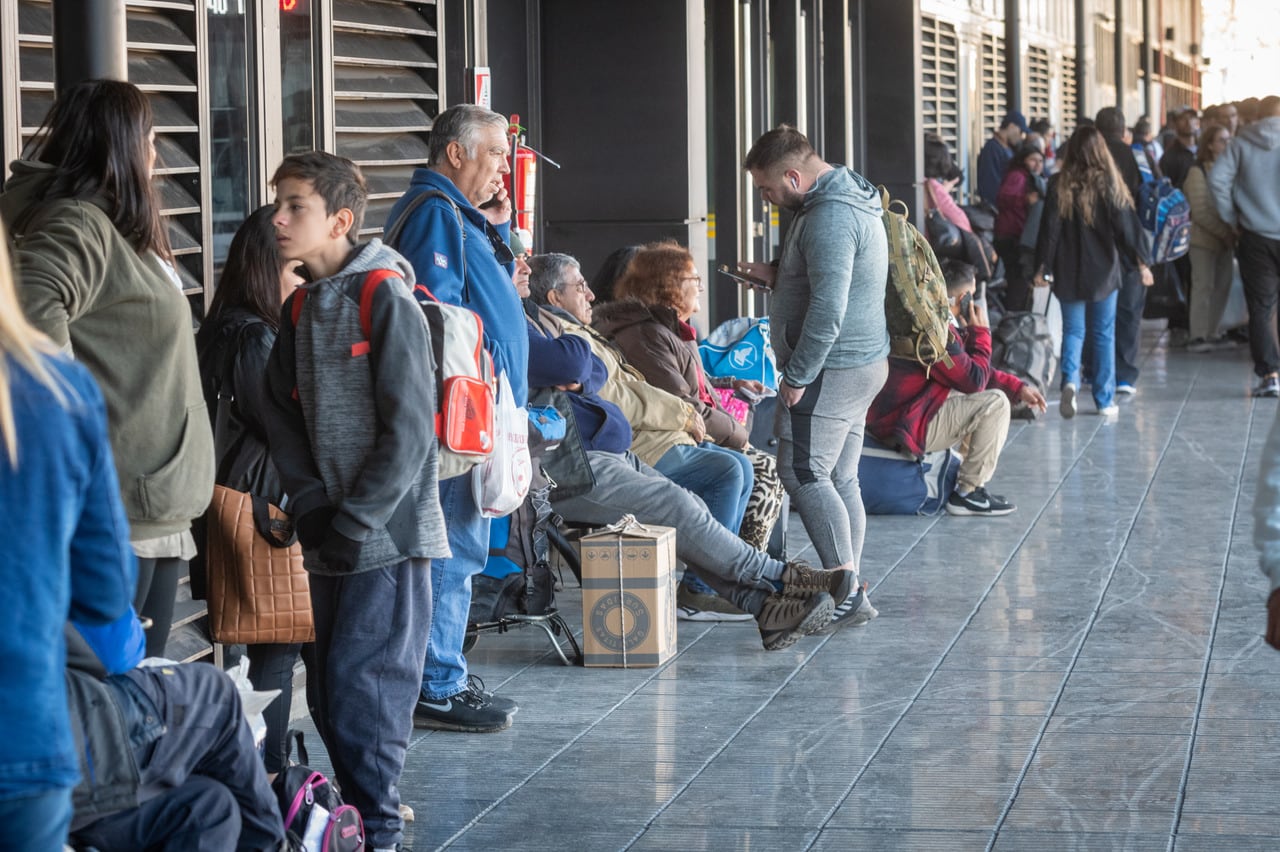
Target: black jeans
1017,274
1129,305
202,785
154,598
1260,270
271,667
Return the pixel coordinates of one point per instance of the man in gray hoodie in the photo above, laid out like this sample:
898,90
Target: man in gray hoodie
1245,183
828,331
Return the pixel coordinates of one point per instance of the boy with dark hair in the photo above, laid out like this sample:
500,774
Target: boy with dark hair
351,387
921,411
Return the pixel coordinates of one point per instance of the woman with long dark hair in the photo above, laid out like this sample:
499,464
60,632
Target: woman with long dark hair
234,343
1089,224
97,277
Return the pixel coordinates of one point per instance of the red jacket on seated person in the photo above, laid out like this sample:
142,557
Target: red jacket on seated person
912,395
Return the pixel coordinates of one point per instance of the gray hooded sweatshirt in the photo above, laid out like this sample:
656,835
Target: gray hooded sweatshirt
352,419
1245,180
828,299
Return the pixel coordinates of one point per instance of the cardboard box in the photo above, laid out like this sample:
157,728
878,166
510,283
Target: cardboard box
629,596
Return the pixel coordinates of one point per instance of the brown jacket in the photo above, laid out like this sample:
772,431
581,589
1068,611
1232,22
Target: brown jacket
650,336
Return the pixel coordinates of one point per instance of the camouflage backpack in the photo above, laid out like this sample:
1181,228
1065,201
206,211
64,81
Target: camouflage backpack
915,301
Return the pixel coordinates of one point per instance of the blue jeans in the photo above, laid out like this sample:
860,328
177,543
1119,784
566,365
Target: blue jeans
445,671
1098,321
720,476
37,823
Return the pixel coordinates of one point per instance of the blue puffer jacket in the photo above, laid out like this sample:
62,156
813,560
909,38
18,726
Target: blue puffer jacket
66,555
433,242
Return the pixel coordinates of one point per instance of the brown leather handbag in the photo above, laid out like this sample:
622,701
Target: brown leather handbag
258,589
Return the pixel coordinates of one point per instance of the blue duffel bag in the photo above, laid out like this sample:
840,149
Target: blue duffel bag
895,483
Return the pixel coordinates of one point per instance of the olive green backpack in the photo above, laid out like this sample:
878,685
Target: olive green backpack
915,300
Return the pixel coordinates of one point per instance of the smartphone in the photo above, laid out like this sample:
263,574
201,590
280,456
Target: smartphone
743,278
966,302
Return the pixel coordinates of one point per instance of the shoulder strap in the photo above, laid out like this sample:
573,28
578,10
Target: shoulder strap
299,297
391,234
370,286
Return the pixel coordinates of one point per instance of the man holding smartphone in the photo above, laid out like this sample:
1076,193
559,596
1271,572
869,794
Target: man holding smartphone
921,411
827,326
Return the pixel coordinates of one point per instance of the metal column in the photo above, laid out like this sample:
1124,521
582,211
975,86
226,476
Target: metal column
1082,63
1013,54
1120,41
88,41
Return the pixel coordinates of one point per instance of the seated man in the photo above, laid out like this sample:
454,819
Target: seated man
788,600
167,759
667,432
921,410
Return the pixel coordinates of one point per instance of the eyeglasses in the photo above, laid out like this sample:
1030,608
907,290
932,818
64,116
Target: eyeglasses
580,285
698,280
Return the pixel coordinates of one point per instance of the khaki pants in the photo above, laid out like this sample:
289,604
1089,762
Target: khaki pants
979,422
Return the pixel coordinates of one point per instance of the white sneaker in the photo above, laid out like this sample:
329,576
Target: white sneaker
1068,405
1111,412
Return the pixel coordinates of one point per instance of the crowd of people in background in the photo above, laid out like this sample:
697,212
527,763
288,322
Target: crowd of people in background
334,390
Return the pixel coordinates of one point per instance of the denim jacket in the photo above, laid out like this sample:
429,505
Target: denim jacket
66,555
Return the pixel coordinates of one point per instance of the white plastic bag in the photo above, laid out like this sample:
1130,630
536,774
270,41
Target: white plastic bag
1236,312
501,482
252,702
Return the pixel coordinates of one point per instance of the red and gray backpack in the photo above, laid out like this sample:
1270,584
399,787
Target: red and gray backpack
463,372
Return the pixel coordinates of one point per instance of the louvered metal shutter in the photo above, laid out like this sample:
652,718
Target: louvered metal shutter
993,92
941,60
1037,83
387,87
1070,100
164,60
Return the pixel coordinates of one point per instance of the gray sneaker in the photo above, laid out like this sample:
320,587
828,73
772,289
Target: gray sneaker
854,610
784,620
695,606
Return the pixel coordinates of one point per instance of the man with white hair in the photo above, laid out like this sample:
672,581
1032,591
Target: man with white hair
456,221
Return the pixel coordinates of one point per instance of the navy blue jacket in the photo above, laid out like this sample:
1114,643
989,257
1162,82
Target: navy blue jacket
433,243
568,360
66,555
993,162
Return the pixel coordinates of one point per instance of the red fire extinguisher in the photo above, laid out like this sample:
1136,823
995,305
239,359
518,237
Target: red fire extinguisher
522,184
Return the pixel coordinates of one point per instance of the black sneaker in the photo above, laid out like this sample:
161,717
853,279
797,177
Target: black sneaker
801,580
468,711
782,620
978,502
475,684
1268,386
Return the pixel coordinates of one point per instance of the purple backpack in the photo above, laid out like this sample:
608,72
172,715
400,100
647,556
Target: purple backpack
315,818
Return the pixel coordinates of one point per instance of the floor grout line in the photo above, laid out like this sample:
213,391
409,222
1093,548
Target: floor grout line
617,705
1092,620
1213,634
950,645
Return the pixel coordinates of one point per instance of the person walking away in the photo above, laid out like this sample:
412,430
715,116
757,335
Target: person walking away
1212,242
828,331
97,276
1245,182
1089,226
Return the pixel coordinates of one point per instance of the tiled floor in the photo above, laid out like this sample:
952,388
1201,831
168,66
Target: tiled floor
1086,673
